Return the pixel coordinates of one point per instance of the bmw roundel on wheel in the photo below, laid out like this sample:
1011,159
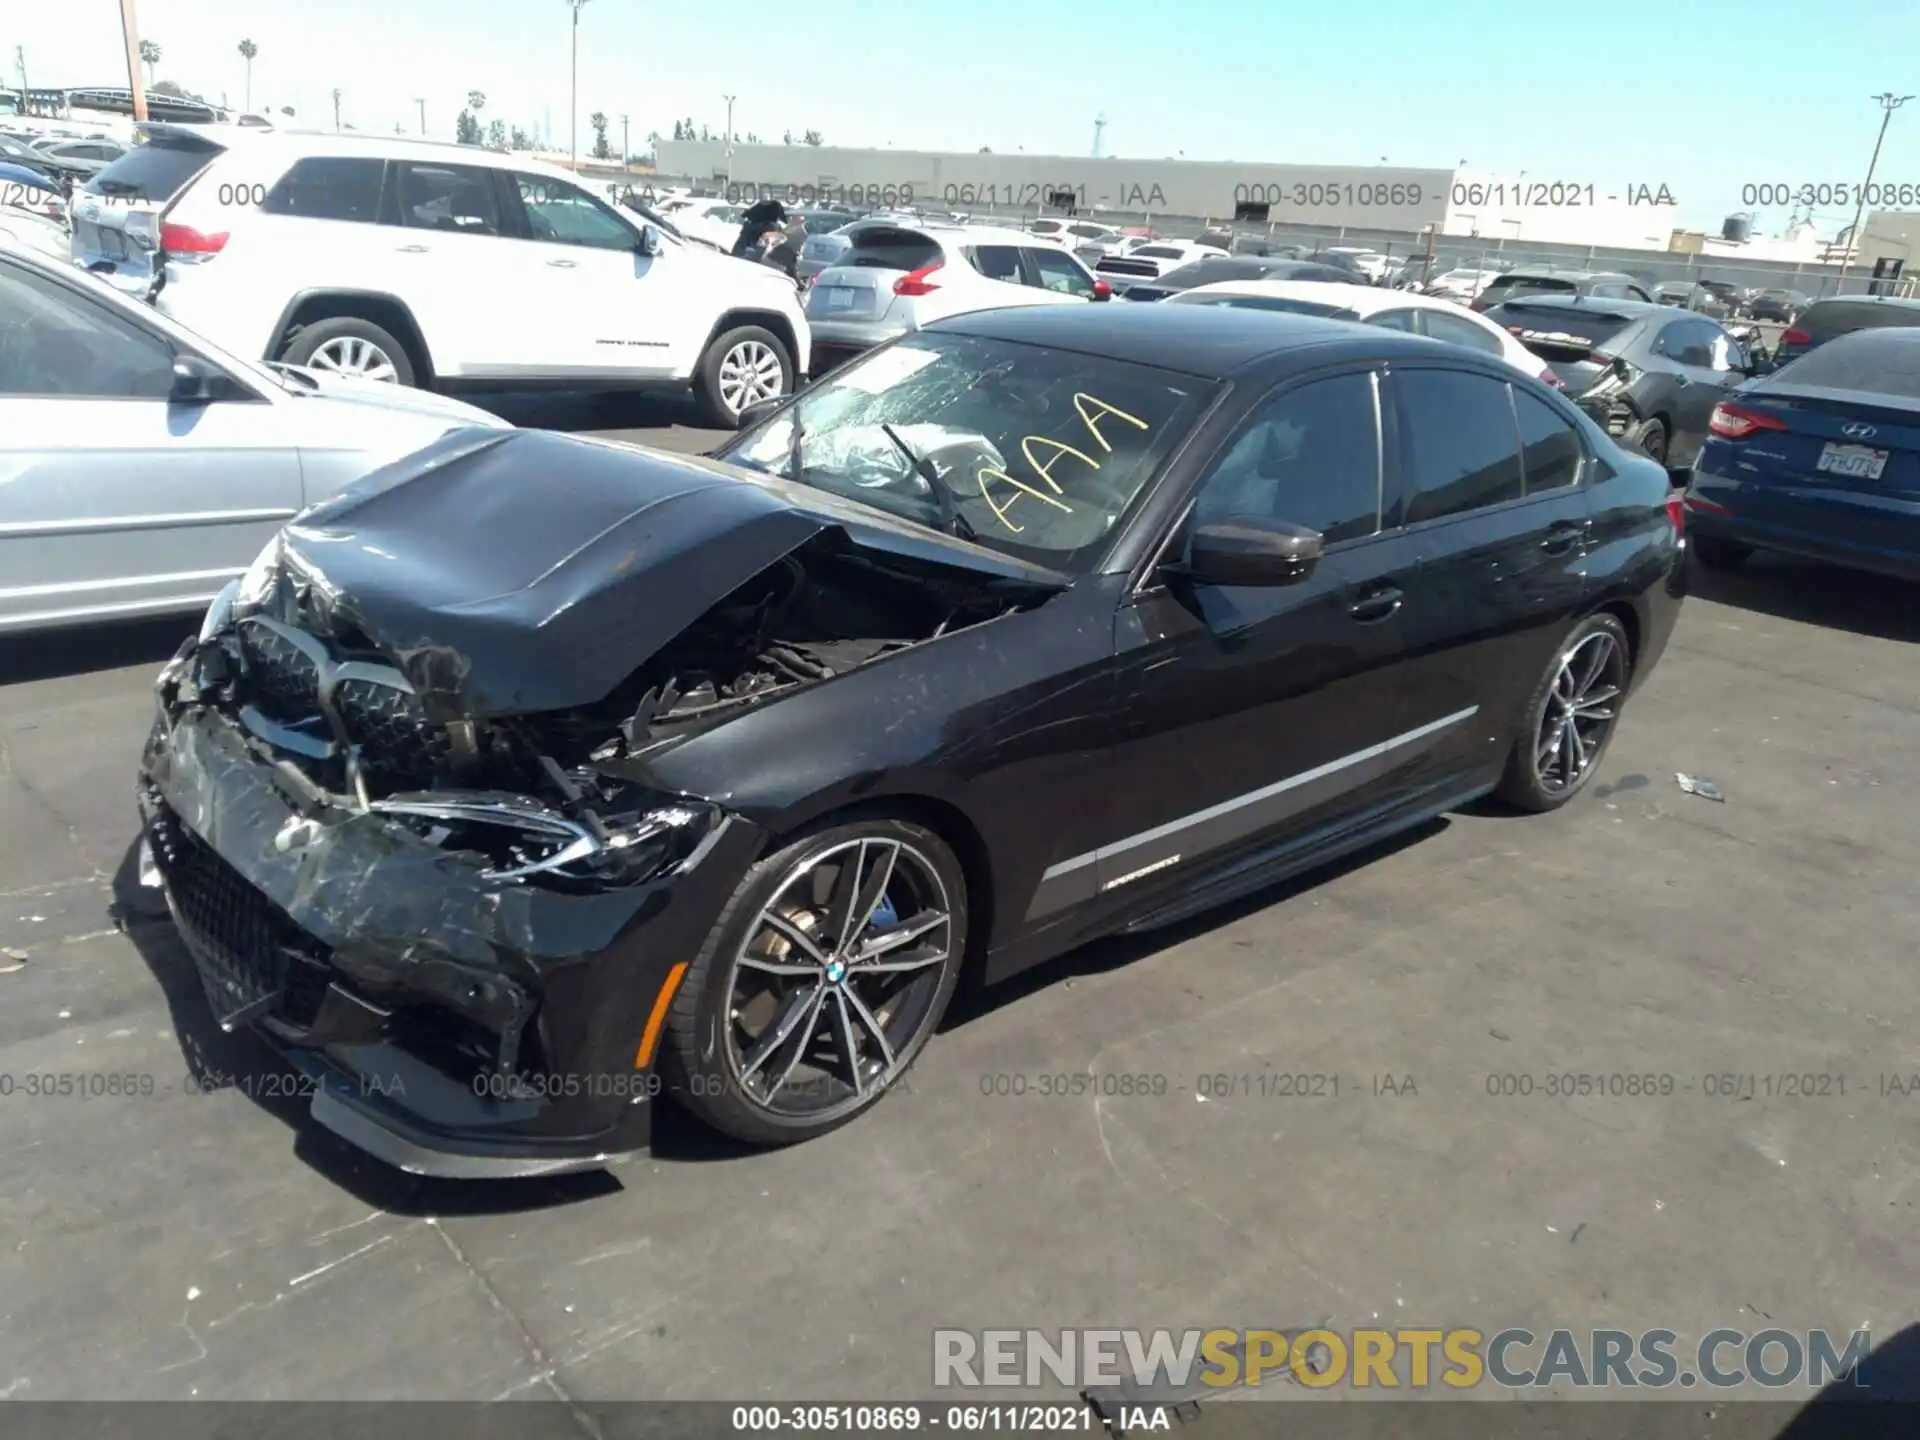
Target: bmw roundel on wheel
534,781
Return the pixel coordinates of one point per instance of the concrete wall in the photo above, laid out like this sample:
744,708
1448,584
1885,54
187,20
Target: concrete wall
1890,233
1388,197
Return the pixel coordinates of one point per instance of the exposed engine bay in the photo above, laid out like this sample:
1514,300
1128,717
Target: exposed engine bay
335,705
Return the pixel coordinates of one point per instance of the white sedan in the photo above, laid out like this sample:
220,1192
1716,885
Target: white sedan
142,468
1427,315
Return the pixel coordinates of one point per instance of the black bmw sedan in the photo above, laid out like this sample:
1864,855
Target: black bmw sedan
534,778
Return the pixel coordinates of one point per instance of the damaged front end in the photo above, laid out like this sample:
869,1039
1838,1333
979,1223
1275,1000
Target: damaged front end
465,918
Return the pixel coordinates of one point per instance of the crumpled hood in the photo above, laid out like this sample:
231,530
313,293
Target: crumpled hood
523,570
400,399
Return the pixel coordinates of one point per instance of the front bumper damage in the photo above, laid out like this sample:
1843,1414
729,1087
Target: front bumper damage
452,1019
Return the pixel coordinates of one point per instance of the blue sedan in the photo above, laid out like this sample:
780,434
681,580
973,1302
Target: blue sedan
1819,459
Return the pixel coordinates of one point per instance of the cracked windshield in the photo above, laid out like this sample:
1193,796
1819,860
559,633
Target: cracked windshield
1035,452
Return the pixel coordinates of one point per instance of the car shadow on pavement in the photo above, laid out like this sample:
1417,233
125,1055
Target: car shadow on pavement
220,1060
1879,1399
1788,588
77,650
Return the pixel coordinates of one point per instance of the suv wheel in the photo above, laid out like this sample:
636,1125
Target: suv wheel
352,347
741,367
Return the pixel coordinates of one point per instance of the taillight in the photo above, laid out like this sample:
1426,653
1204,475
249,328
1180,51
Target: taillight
184,241
1677,511
917,283
1600,358
1736,422
1549,378
1796,337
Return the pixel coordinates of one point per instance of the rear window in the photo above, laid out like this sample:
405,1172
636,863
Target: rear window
156,169
1883,362
885,248
1825,319
1508,286
1160,252
1272,302
329,188
1555,333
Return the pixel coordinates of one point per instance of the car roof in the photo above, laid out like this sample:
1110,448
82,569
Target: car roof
1547,272
1594,304
300,143
1212,342
1892,302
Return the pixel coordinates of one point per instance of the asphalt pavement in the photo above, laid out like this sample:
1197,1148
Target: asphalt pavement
179,1239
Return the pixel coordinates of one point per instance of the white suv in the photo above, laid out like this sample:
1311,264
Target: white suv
897,276
434,264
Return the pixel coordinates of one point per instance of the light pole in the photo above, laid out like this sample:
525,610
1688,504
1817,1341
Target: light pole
421,102
1888,102
130,29
336,109
626,145
573,93
729,99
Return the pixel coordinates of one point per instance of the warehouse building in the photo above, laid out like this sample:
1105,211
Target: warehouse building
1384,199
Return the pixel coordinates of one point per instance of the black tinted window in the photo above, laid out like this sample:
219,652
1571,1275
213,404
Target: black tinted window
1311,456
1508,287
459,198
1689,342
1461,446
329,188
155,170
1550,449
997,262
56,343
1455,331
1393,320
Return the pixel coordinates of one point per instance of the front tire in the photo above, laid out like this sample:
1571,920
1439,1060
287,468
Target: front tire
1570,717
347,345
741,367
1718,554
824,978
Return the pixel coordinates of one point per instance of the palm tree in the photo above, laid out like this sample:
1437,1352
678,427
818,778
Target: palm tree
149,57
247,51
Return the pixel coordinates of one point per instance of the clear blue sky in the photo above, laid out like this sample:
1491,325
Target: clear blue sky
1619,93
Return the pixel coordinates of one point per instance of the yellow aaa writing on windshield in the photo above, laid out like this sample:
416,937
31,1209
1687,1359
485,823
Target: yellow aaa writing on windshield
1091,410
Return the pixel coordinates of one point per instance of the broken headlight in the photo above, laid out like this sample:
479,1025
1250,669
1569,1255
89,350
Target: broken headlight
526,841
256,586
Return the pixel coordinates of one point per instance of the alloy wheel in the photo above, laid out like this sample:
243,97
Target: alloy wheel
836,984
356,357
1580,711
749,373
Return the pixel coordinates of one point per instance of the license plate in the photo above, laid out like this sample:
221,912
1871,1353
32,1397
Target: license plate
113,243
839,297
1852,462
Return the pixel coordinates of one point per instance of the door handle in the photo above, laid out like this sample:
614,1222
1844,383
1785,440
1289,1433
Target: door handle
409,249
1681,382
1377,604
1562,537
561,264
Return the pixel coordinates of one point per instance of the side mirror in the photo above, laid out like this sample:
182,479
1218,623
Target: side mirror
648,245
1102,290
753,414
1251,550
196,382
